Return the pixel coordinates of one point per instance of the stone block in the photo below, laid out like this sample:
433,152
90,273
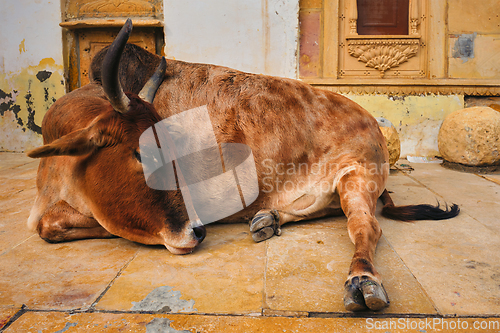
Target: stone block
392,139
471,137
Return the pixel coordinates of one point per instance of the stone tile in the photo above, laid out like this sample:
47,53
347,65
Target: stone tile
307,268
14,214
495,178
125,322
451,266
23,199
17,187
477,197
404,290
6,314
223,275
23,171
11,186
10,160
457,260
109,322
406,191
61,276
454,261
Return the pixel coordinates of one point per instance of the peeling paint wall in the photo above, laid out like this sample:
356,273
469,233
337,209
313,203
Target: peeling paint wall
258,36
31,70
474,39
417,118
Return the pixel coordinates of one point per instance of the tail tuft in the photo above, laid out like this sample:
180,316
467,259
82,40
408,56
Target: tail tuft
420,212
416,212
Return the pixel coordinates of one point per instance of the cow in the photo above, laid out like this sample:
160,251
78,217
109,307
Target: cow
317,154
90,175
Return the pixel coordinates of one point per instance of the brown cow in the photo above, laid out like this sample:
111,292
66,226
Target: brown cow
90,181
317,153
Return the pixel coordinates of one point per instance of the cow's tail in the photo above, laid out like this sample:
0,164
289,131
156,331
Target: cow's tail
416,212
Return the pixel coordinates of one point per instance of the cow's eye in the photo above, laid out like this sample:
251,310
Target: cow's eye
137,156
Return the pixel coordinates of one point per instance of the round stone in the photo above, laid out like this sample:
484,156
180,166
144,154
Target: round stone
391,138
471,137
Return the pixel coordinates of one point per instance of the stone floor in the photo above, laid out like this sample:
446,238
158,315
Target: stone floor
440,275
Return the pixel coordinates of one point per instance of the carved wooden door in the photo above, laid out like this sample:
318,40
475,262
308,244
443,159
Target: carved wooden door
91,25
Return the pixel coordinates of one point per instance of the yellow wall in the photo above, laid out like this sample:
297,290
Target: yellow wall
417,118
474,29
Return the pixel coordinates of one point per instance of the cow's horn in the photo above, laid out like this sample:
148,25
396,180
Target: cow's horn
149,90
109,71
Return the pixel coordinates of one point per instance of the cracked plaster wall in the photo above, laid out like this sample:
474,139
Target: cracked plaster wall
253,36
417,118
31,70
474,39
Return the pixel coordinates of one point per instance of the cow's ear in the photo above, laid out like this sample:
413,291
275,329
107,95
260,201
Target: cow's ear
79,142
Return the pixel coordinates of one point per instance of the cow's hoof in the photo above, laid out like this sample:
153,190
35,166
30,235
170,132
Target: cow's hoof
265,226
261,220
362,293
263,234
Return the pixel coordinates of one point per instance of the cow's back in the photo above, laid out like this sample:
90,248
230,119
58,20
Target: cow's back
275,116
299,135
282,119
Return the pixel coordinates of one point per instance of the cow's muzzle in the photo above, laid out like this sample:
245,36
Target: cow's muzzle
194,237
200,233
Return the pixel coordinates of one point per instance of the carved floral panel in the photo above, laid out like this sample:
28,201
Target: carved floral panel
383,54
79,9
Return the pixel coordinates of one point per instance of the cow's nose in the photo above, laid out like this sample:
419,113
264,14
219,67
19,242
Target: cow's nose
200,233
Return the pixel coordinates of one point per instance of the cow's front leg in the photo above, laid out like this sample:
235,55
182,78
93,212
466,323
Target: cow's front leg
62,223
363,288
265,224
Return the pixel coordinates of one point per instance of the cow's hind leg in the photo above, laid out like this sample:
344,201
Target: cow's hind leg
358,198
62,223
